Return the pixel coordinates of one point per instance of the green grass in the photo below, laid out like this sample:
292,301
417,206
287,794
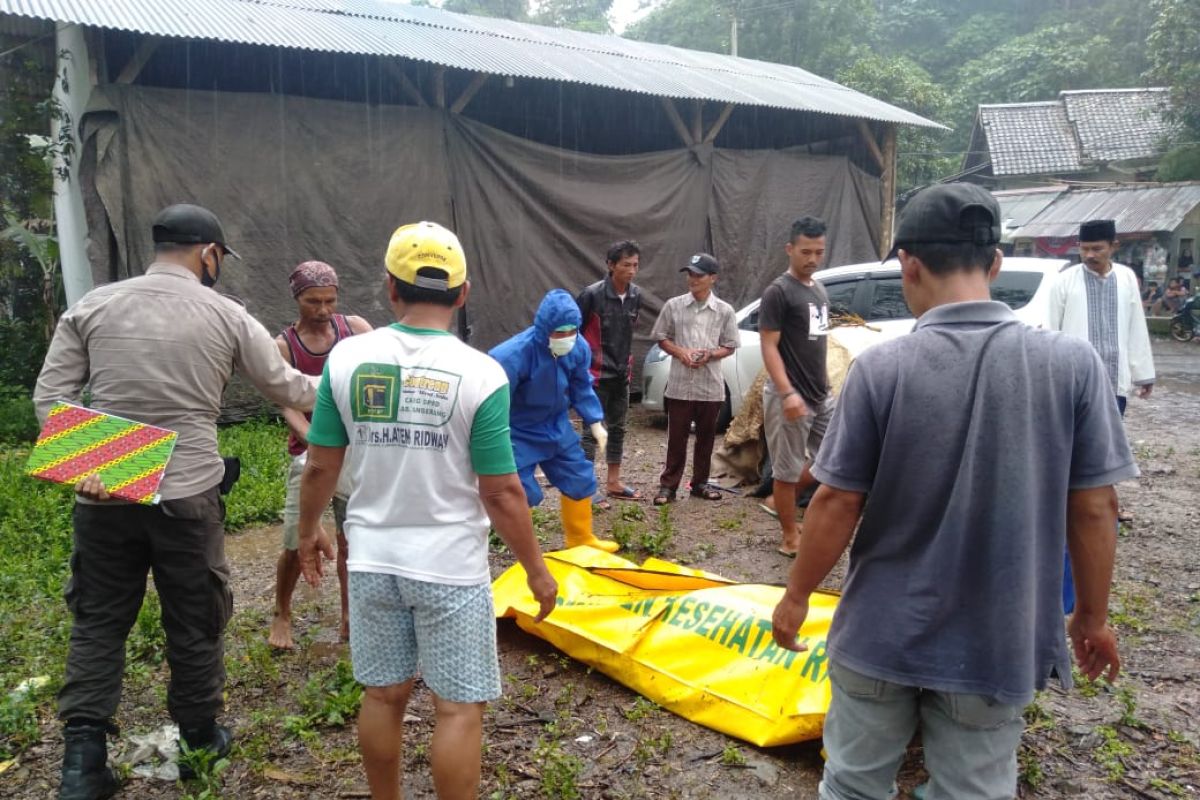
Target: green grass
35,550
258,496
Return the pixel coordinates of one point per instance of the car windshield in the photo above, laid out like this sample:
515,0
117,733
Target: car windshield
1015,289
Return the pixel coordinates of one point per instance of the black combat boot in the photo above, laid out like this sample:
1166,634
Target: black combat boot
206,736
85,771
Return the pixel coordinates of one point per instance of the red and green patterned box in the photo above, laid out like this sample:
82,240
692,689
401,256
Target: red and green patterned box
129,456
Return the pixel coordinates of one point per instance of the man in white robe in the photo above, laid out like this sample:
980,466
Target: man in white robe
1098,300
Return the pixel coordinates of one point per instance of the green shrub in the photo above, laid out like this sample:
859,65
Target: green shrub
18,423
258,495
24,346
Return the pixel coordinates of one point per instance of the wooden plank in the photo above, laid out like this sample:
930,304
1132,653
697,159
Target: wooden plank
139,59
97,60
872,145
677,121
474,86
888,156
697,121
720,123
406,84
439,87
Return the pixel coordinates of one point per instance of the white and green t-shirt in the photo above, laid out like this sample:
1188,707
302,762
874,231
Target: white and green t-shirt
422,415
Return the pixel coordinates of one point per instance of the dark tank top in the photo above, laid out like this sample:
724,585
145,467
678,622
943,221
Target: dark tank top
311,363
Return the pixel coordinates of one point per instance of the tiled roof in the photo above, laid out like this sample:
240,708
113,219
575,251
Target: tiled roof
1029,139
1118,124
1079,131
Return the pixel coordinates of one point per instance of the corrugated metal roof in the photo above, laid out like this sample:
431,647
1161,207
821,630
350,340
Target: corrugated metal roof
1020,206
1135,209
482,44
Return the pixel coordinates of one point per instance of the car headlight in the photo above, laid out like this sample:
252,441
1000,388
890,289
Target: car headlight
656,354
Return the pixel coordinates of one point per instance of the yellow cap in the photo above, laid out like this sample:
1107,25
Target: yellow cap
426,245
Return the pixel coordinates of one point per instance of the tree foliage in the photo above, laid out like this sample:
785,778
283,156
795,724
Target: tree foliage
590,16
1180,164
900,81
1173,46
972,51
502,9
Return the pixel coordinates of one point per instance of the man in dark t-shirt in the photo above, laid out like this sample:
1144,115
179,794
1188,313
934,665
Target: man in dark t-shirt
793,323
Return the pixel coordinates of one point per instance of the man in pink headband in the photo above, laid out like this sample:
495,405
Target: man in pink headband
312,275
306,344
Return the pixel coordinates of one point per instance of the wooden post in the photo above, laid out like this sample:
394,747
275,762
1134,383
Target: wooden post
869,138
720,123
406,85
888,219
677,121
439,87
140,56
97,59
697,121
474,86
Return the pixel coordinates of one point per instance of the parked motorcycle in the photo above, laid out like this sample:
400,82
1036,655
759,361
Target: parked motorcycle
1186,322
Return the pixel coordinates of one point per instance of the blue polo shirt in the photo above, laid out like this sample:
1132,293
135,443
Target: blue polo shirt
967,434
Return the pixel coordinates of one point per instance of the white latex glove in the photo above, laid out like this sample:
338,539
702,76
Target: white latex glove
601,437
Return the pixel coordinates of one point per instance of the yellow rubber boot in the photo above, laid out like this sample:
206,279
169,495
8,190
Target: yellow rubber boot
577,526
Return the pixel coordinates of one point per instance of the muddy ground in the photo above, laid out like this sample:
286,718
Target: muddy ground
564,731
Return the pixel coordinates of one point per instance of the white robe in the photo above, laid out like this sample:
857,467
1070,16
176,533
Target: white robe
1069,313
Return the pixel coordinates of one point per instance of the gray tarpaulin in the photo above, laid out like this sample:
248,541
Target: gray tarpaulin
757,194
295,178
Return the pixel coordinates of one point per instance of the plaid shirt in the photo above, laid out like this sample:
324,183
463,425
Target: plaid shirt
693,324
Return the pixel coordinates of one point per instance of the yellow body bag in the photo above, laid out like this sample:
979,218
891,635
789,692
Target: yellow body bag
693,642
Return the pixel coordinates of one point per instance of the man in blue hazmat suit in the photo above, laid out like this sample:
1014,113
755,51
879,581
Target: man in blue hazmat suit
547,366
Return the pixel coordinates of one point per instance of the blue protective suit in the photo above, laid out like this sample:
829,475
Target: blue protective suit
543,390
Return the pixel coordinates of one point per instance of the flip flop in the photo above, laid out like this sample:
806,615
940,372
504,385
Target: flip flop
783,552
626,493
601,502
770,511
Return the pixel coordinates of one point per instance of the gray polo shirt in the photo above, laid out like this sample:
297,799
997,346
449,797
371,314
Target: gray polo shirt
967,434
159,348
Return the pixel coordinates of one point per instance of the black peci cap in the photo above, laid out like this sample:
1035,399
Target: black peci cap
1098,230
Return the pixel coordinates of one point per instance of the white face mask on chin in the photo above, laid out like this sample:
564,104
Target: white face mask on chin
560,347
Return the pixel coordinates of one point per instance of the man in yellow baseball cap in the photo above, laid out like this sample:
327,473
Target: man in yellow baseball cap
427,256
419,421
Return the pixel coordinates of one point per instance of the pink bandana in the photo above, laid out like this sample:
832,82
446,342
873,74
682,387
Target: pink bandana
310,274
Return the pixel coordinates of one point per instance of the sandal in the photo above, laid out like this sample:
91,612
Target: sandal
601,502
664,496
706,492
625,493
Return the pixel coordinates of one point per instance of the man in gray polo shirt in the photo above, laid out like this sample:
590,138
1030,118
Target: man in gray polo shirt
984,445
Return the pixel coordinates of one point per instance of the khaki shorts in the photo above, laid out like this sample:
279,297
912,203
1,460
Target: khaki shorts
793,443
291,505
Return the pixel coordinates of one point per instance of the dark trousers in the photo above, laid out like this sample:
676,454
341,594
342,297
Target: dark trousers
680,416
183,543
614,399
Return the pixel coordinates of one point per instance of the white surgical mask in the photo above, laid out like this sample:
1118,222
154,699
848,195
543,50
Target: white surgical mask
560,347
